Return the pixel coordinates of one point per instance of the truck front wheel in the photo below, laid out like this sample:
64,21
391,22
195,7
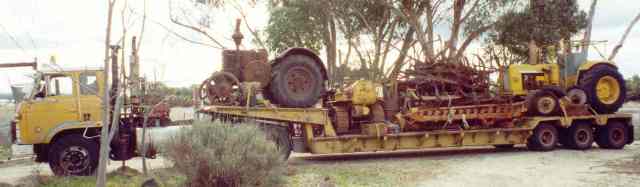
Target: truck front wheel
73,155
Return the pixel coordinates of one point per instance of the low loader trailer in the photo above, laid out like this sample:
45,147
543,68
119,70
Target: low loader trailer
311,130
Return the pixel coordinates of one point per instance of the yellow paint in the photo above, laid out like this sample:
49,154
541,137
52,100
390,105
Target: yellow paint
42,118
549,74
608,90
364,93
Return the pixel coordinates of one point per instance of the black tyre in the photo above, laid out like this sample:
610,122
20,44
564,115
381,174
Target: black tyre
579,136
297,82
544,138
73,155
605,88
543,102
613,136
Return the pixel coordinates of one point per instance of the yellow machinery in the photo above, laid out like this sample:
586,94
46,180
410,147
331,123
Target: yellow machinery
596,83
354,121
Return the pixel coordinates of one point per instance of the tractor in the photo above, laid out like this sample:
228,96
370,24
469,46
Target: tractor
296,78
596,83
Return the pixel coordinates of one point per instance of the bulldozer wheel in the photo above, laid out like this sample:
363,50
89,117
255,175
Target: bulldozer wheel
543,103
544,138
612,136
297,82
73,155
579,136
605,88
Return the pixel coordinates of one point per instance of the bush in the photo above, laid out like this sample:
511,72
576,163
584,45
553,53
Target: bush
216,154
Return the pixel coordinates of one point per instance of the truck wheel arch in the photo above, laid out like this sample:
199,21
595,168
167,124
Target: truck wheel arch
306,52
69,128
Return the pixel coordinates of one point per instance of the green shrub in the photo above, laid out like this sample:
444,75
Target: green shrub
216,154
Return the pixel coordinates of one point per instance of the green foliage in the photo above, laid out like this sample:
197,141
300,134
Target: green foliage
157,91
214,154
294,25
561,19
633,88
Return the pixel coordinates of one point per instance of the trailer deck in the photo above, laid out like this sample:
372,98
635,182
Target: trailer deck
328,142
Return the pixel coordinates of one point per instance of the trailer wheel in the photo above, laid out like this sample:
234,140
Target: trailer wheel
580,136
297,82
612,136
73,155
605,88
544,138
543,103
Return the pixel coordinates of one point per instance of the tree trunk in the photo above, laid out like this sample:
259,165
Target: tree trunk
458,7
406,45
624,37
104,134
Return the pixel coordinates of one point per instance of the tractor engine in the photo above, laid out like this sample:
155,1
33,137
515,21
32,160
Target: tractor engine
296,78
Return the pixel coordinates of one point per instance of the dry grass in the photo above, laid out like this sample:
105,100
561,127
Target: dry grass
363,172
123,177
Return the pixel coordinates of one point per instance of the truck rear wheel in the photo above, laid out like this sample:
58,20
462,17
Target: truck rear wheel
544,138
579,136
73,155
297,82
612,136
605,88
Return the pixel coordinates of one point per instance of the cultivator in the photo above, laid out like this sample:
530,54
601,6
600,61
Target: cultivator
446,84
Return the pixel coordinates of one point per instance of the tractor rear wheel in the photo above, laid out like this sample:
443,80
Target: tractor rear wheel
605,89
297,82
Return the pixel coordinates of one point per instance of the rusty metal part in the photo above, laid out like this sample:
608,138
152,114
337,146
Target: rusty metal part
257,71
299,81
341,118
34,65
478,116
237,35
445,84
222,88
237,61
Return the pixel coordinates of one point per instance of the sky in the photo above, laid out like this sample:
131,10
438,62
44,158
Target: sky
74,32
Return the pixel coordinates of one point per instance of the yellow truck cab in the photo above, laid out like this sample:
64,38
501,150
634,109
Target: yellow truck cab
61,118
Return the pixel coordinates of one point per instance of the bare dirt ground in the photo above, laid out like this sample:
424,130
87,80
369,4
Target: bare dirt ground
484,166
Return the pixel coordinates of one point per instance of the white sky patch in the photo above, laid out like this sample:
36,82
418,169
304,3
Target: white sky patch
74,32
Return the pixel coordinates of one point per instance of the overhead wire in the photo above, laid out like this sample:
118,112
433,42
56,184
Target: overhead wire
13,39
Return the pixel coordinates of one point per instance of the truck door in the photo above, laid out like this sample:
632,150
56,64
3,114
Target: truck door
90,102
56,104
